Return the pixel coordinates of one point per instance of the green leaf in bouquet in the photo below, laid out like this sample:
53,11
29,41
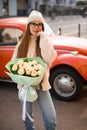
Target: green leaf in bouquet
25,60
12,62
14,72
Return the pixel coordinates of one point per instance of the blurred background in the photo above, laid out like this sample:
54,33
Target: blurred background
48,8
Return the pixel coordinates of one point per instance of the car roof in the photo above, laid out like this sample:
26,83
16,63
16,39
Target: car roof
18,22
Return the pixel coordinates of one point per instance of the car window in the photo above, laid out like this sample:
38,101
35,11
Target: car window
9,36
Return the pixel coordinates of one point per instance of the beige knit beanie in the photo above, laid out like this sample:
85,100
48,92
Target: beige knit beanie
35,16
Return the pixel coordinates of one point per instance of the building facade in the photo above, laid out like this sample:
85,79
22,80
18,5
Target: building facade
16,7
23,7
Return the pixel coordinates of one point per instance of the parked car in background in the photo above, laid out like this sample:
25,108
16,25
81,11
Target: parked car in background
68,73
81,7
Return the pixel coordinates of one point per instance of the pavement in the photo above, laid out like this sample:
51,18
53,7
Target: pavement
70,115
69,25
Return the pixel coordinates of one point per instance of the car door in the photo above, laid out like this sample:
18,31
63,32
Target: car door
8,39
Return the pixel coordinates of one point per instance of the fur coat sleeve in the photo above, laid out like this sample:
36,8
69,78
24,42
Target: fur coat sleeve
47,50
49,55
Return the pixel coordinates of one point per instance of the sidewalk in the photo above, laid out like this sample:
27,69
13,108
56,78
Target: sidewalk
68,24
70,115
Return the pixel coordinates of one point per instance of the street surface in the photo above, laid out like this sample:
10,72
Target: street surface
70,115
69,25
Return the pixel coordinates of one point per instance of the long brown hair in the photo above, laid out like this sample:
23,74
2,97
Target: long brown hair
24,42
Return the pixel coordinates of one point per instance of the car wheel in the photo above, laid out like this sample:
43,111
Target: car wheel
66,84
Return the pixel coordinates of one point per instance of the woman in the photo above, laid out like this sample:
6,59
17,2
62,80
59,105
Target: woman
35,43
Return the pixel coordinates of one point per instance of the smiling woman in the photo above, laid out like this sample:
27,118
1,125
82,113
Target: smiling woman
33,44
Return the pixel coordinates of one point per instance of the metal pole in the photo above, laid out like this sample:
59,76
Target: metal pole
59,32
79,30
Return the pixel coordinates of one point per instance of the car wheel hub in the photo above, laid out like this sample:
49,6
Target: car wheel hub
64,85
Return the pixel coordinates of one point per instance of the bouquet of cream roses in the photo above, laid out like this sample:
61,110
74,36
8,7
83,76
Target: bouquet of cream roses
27,72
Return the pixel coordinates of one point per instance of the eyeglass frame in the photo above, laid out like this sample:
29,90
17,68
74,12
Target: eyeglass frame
33,25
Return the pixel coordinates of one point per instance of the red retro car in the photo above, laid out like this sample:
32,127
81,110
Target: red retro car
68,73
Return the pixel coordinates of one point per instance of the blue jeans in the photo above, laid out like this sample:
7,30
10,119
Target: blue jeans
48,111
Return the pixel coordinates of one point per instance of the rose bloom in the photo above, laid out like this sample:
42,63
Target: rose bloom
14,67
21,71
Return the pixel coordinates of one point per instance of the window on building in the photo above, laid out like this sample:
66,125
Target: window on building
5,7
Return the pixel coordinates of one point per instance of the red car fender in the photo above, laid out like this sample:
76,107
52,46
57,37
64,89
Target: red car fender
79,64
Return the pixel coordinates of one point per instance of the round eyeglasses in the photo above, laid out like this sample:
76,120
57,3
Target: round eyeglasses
33,25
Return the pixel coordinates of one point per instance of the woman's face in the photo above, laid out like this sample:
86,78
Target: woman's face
35,27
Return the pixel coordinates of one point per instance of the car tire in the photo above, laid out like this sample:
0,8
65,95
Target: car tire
66,84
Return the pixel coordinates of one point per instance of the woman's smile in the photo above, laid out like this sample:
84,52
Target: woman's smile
35,27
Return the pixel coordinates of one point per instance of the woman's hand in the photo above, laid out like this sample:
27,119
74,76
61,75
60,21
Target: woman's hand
40,33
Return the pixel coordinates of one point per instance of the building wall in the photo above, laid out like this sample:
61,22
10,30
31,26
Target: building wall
23,7
21,4
66,2
1,8
12,8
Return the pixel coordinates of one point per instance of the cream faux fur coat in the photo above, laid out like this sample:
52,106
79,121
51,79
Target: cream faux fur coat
48,54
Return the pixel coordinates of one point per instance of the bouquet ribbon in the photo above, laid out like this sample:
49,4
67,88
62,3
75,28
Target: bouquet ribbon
24,109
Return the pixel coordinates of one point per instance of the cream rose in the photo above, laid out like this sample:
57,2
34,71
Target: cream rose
14,67
21,71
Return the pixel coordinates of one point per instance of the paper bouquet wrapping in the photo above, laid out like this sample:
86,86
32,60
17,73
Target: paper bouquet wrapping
27,72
